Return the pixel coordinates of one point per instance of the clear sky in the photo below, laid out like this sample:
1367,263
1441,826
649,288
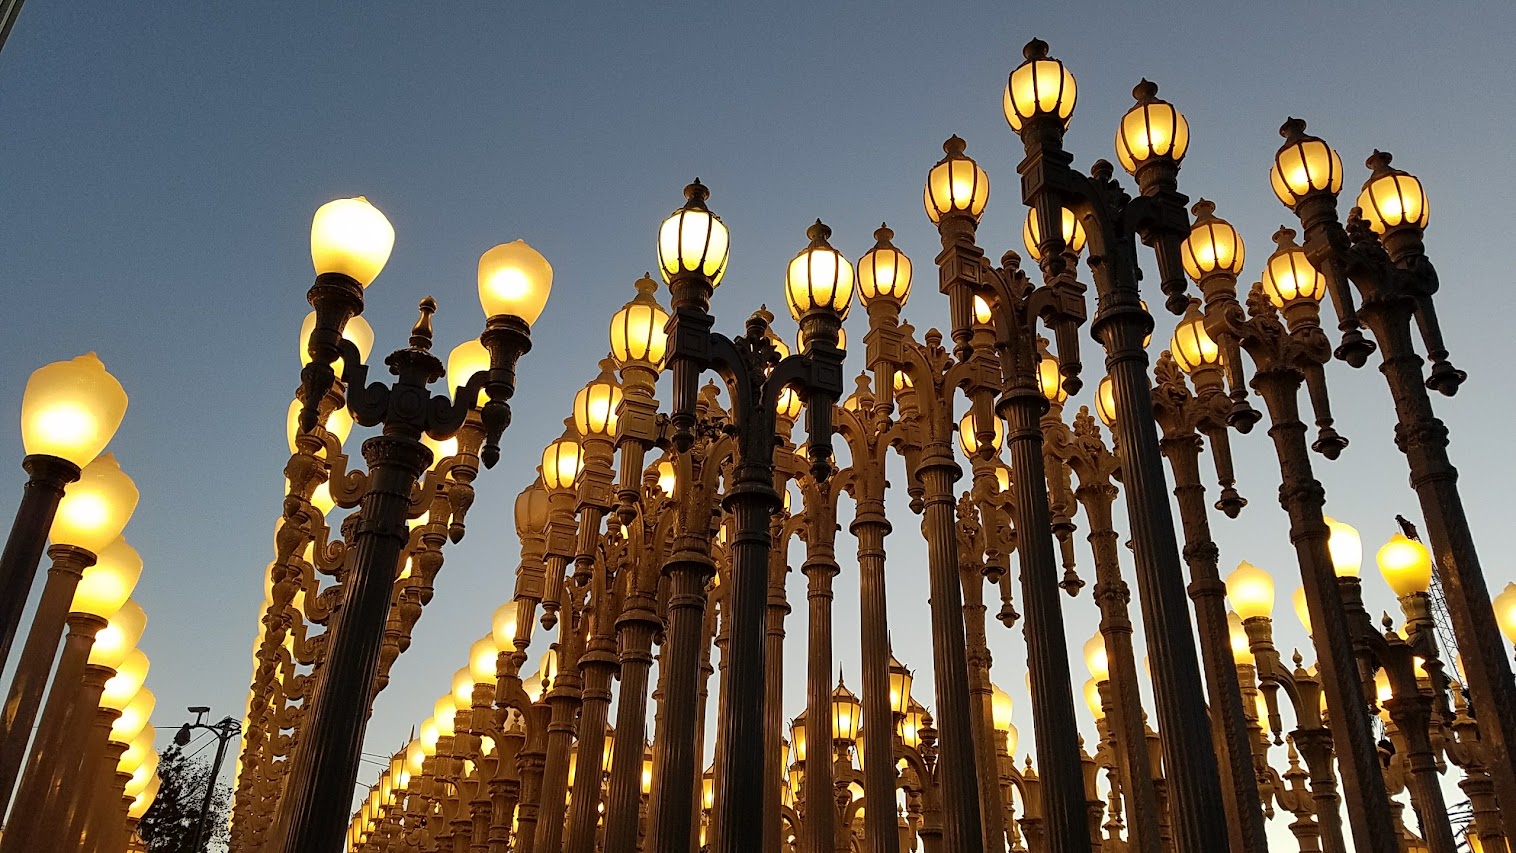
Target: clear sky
161,163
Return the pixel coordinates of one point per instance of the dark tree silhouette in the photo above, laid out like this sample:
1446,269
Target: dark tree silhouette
169,824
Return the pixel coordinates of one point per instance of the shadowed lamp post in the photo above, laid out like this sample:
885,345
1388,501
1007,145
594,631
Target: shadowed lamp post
350,243
223,732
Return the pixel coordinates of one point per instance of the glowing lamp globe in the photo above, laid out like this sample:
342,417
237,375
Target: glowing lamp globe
96,507
1151,129
1105,401
467,359
1406,565
969,441
481,659
462,689
561,463
1346,548
819,278
137,751
1000,709
1213,245
356,330
1288,275
444,713
798,738
900,686
1092,699
956,185
134,716
1251,591
1392,198
694,240
120,635
351,237
1012,739
503,625
1095,658
1040,87
1241,652
884,272
637,330
1302,609
1192,346
847,712
1505,612
531,510
1304,165
144,799
1074,236
106,585
595,406
339,423
71,409
121,687
514,281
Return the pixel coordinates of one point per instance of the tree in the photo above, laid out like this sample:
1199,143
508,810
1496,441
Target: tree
169,824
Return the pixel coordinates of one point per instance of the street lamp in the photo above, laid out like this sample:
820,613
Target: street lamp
69,413
350,243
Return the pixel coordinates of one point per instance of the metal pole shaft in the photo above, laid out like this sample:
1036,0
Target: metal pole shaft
222,736
23,548
773,696
679,660
1057,739
740,809
623,801
957,767
871,526
312,813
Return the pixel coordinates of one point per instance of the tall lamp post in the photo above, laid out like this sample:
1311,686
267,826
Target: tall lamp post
350,242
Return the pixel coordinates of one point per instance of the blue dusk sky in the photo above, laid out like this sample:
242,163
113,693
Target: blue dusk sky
161,162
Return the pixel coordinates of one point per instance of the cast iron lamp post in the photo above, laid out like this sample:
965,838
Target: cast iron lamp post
69,413
350,241
693,252
1151,141
1382,253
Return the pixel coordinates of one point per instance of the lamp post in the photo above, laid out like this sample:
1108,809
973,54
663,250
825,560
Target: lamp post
350,242
819,285
69,413
223,732
1382,253
1151,142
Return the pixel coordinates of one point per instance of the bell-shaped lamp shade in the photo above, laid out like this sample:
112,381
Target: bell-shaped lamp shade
1152,128
444,713
1000,708
1302,610
503,625
970,442
668,477
481,659
595,406
106,585
1505,612
1392,198
1012,739
956,185
415,757
145,798
819,277
638,332
1040,86
1213,245
96,507
1095,658
1406,565
1074,236
1241,652
1251,591
464,361
427,733
462,688
350,236
884,272
561,463
1346,548
1092,699
693,239
1192,346
121,687
1049,380
1105,401
120,635
1288,275
1305,164
71,409
137,751
134,716
514,280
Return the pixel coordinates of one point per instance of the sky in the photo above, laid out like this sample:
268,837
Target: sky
162,162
